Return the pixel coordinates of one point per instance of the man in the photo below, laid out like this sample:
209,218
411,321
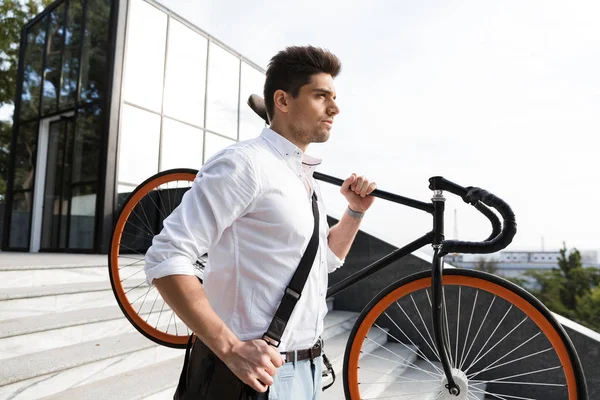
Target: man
250,209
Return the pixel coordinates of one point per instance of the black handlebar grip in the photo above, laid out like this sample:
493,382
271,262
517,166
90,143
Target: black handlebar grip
499,242
495,221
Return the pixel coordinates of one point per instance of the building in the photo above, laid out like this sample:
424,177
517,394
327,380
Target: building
109,93
514,264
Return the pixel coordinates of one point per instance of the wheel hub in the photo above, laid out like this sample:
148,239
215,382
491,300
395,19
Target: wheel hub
460,378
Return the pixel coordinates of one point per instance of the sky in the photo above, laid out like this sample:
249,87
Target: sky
500,95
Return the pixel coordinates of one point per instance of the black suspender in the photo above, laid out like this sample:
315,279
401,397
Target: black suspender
294,290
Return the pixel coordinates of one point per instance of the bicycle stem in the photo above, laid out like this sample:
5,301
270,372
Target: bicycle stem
441,341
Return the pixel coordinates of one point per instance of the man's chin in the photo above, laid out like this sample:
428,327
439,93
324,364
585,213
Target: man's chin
322,137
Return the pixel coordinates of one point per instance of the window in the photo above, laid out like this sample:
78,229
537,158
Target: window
53,68
95,50
145,57
181,146
253,81
70,65
214,143
32,74
223,85
185,83
138,145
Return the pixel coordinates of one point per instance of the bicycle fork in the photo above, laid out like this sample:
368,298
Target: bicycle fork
441,340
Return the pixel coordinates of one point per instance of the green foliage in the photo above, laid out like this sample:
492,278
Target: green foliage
570,290
484,265
13,16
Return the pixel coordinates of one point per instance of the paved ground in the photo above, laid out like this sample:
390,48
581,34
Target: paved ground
12,259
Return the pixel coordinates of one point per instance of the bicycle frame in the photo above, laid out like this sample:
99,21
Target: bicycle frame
435,238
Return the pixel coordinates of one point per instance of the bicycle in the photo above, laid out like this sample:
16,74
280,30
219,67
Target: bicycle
438,367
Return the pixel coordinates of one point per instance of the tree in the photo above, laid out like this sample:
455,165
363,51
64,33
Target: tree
571,290
13,16
484,265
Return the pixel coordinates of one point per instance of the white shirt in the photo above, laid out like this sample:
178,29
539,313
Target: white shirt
250,209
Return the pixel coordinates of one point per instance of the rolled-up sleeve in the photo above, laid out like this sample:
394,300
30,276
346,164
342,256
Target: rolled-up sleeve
333,261
222,191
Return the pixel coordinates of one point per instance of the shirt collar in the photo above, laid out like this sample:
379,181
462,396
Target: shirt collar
295,158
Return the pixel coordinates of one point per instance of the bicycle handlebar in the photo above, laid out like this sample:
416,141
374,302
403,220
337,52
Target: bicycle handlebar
479,198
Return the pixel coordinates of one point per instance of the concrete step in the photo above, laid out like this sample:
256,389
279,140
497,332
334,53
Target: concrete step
420,379
82,365
30,276
153,381
335,348
39,374
27,335
378,368
20,302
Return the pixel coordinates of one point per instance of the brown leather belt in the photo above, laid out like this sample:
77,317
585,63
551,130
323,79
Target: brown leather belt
306,354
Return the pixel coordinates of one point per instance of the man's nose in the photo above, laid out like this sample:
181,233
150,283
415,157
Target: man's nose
333,109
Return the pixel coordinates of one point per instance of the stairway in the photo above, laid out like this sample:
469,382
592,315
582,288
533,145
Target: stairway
62,336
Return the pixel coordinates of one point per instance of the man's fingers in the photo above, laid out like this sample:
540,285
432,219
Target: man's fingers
276,358
258,385
265,378
371,188
347,183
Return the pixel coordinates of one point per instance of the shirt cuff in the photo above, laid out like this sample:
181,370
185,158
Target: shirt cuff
333,261
178,265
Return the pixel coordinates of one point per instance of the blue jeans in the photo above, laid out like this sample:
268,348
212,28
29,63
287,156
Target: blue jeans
300,380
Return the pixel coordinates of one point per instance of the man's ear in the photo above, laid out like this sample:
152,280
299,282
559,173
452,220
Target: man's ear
281,100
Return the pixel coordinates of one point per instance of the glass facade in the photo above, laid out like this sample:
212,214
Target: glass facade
184,97
176,96
59,122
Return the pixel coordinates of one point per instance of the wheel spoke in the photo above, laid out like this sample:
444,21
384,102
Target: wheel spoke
491,366
468,329
497,343
408,364
458,325
433,349
488,340
478,330
421,354
449,349
418,353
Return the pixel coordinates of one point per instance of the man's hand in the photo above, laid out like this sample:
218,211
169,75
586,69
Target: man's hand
255,363
356,189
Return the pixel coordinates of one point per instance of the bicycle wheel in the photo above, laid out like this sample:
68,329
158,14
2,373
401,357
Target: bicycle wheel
502,344
140,220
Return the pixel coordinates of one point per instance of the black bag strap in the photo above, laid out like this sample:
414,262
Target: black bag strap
294,290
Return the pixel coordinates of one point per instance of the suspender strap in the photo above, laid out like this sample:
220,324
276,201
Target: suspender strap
294,290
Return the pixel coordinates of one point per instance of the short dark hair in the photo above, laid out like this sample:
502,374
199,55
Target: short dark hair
292,68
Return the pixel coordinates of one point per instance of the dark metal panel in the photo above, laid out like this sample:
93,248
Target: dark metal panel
106,205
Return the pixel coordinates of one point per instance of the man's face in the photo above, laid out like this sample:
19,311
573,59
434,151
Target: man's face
312,112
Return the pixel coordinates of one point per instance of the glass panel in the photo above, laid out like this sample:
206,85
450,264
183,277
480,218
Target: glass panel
181,146
82,218
54,48
145,57
32,72
54,186
95,50
70,65
123,193
25,156
20,219
186,74
86,153
138,147
223,84
214,143
253,82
